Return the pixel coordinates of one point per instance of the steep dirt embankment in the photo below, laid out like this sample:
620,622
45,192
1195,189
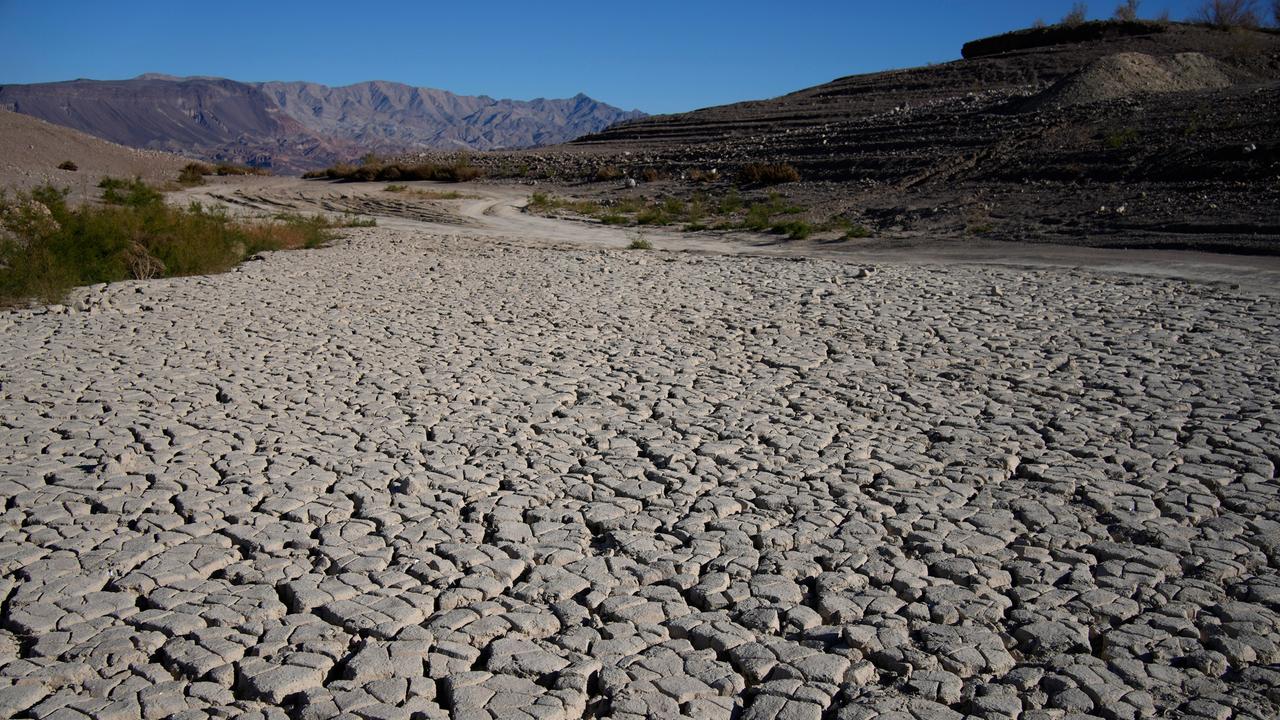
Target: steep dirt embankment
31,150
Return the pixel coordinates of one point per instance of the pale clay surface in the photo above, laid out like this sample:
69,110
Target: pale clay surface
425,475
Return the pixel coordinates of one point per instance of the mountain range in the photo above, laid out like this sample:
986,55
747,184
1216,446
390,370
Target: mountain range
292,126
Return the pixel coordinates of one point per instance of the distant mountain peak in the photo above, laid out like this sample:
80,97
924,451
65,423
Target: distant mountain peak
301,125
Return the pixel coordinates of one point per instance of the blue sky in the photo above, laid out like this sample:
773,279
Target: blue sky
653,55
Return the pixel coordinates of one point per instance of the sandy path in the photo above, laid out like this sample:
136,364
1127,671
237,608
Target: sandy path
432,472
498,210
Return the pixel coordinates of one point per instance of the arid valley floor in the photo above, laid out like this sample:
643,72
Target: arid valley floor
486,469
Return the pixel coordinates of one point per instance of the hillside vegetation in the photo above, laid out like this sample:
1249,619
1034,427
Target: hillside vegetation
48,247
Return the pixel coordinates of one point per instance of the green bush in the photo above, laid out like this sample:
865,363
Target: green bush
640,243
544,203
730,203
652,216
758,218
133,193
373,170
794,229
48,248
760,215
696,213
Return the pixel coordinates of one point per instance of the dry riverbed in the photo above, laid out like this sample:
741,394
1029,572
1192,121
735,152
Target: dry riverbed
429,473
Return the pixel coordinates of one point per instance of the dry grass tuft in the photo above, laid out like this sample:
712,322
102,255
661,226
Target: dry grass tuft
762,174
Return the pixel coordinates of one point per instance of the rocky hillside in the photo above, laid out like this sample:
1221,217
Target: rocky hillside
384,115
895,125
1108,133
298,126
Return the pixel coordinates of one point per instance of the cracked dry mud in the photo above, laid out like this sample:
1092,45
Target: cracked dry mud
416,475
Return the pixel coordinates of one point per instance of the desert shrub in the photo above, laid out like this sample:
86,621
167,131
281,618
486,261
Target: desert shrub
760,215
702,176
794,229
1120,138
311,231
371,171
1228,13
758,218
696,213
435,194
1127,11
544,203
133,193
650,175
229,169
730,203
1076,15
608,172
539,201
640,243
629,205
762,174
68,165
696,209
653,215
857,232
463,172
340,171
193,174
49,247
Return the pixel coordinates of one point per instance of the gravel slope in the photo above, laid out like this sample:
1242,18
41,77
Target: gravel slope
418,474
31,150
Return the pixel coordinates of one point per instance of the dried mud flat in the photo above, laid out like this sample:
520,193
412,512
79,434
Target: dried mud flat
417,475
